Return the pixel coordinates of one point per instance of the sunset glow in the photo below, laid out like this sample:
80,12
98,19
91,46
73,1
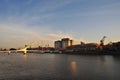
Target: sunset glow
23,21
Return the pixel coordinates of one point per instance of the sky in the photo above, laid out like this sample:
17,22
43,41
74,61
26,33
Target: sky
45,21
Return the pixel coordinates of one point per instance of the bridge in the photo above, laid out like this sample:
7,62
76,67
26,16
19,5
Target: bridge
24,50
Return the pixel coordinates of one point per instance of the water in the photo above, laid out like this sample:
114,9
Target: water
58,67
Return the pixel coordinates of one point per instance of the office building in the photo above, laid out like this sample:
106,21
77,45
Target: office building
58,44
63,43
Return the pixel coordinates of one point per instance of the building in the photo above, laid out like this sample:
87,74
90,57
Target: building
71,42
112,47
85,47
58,44
63,43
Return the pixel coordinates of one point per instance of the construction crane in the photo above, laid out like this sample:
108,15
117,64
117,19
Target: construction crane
102,41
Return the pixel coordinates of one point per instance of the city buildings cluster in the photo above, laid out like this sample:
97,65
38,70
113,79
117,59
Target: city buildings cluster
67,45
63,43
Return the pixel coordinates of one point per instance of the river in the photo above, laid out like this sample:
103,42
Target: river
59,67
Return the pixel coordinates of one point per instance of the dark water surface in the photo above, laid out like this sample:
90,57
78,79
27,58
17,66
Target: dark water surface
59,67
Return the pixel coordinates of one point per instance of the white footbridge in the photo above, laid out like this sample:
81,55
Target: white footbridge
24,50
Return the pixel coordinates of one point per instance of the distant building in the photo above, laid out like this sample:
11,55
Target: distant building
64,43
71,42
114,46
58,44
79,47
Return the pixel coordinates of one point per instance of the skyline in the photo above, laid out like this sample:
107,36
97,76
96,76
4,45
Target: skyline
24,21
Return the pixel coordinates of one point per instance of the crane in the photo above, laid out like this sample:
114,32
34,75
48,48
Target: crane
102,41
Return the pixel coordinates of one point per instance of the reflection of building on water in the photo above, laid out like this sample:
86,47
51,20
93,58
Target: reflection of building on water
73,67
24,56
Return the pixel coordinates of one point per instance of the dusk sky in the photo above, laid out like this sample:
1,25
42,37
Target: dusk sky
24,21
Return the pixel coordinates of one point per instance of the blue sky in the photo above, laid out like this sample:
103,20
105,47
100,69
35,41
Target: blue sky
23,21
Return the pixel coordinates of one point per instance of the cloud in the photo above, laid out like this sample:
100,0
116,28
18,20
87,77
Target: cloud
59,35
103,9
116,4
45,21
17,35
13,35
53,5
29,2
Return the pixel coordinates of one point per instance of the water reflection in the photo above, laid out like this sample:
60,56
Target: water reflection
58,67
8,53
25,56
73,66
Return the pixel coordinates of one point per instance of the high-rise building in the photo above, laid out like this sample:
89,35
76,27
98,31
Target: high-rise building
64,43
58,44
71,42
